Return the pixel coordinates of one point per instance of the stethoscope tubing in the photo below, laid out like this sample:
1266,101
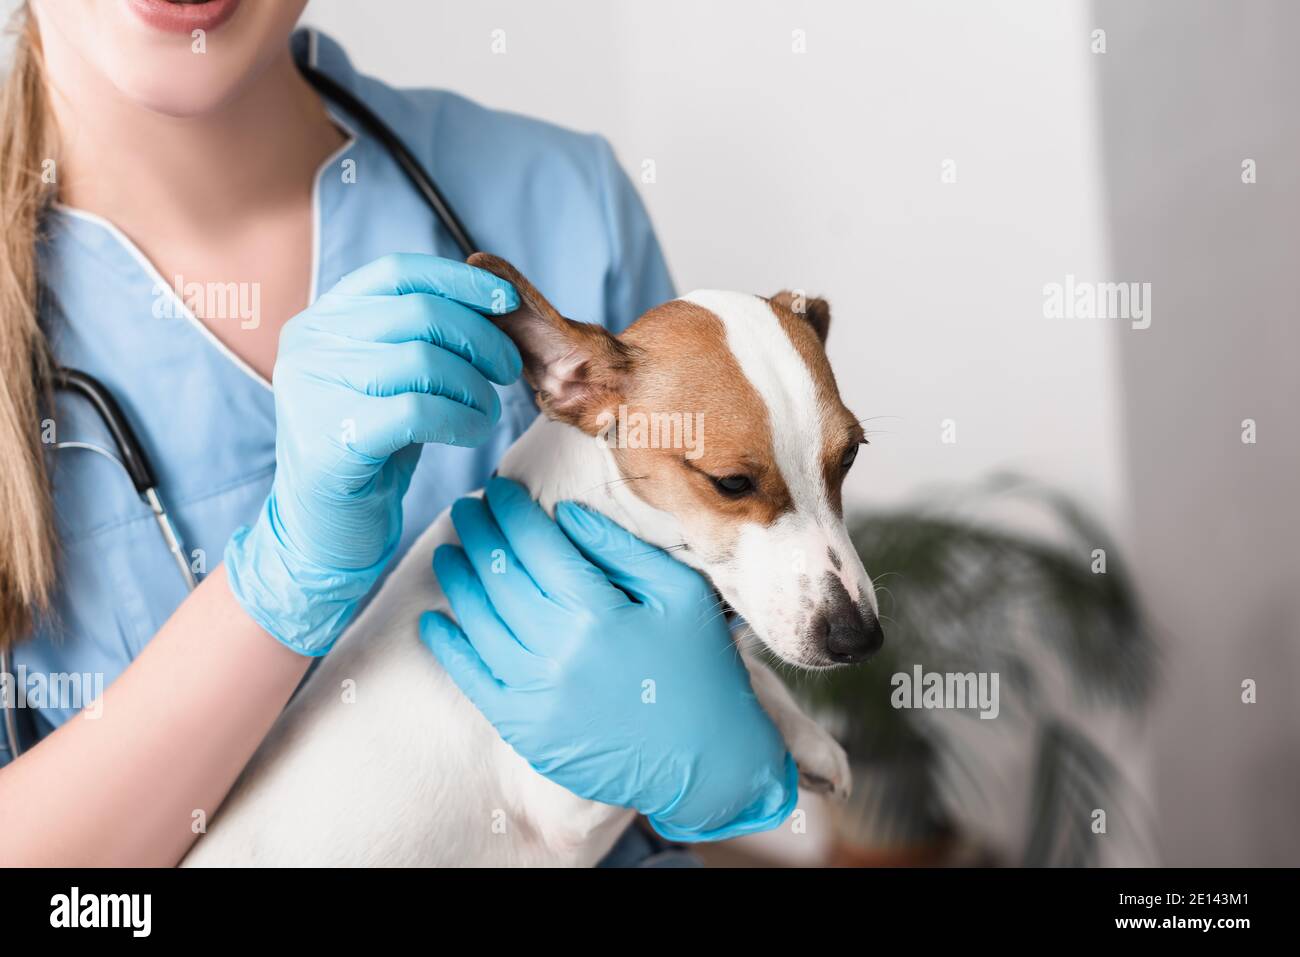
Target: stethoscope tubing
418,176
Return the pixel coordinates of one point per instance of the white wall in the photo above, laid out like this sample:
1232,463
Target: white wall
822,171
1188,90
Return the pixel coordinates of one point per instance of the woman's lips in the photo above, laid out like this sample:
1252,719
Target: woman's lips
183,17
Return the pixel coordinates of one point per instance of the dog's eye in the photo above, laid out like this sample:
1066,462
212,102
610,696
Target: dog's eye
850,455
734,486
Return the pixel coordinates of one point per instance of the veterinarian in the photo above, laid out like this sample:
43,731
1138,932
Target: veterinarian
173,191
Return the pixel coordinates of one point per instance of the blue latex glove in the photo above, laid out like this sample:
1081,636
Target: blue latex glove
631,695
393,356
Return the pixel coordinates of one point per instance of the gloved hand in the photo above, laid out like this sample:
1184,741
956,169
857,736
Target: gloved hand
393,356
637,701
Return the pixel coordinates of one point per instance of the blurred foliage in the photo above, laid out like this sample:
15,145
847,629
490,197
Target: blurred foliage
960,595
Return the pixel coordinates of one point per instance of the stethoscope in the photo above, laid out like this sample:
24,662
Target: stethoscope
129,453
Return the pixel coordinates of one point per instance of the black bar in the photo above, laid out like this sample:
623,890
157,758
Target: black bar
817,907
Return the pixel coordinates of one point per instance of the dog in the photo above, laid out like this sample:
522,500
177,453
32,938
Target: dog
409,772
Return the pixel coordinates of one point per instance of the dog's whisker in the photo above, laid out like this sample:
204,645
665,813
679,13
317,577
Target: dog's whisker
622,480
722,613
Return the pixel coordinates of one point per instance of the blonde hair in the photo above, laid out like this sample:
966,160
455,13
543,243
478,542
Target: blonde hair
27,538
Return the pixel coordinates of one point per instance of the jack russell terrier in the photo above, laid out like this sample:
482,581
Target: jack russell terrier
410,773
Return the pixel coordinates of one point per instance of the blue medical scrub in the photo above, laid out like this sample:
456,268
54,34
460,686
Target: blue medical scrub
554,202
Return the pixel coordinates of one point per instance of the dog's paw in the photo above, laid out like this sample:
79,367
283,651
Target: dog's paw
823,765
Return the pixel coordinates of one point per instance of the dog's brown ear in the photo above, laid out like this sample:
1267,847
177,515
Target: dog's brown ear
577,369
816,311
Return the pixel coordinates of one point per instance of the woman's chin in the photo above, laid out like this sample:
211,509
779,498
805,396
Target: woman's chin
192,90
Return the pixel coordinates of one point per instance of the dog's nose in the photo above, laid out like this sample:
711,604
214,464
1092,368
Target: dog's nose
851,638
848,633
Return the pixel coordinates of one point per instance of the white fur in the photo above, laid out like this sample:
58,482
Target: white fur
411,773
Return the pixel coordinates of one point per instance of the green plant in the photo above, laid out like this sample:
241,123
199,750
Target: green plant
959,595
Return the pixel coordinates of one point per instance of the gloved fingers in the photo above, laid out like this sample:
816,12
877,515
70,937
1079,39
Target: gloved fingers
551,560
773,800
512,663
509,587
401,273
645,572
458,658
393,368
423,317
385,425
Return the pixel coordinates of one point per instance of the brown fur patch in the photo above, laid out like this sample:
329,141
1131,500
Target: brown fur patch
576,369
815,311
684,365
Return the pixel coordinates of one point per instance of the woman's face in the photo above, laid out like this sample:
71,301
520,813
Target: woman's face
177,58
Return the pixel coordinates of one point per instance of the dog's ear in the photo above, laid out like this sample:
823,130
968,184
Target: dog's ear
816,311
577,369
